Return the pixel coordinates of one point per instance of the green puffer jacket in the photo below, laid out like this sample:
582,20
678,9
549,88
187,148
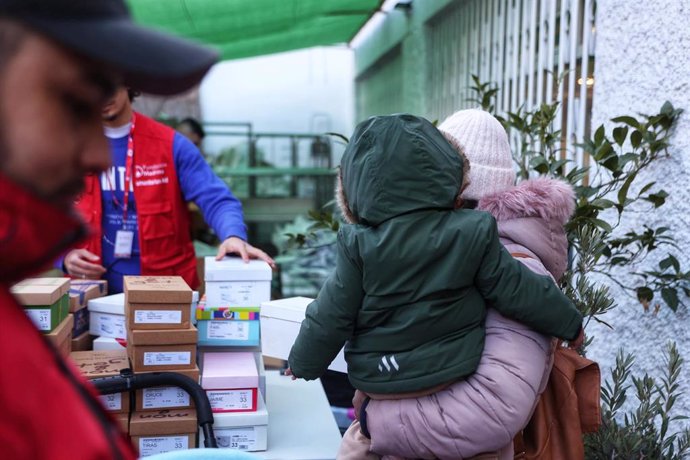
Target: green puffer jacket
412,279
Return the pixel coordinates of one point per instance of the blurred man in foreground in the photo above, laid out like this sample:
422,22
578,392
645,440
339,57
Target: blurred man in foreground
60,60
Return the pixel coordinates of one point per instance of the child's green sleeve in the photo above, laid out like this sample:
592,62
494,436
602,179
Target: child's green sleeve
330,319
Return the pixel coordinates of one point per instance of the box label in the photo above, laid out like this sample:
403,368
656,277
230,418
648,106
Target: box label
107,325
155,398
40,317
157,317
234,330
112,402
160,445
167,358
238,293
231,400
236,438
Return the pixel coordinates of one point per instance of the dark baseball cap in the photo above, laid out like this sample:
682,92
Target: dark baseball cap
103,30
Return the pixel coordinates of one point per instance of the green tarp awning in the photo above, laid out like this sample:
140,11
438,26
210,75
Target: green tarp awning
243,28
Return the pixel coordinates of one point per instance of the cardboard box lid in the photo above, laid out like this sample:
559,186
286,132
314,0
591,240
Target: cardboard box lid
235,269
231,369
240,419
63,330
162,336
160,422
40,291
289,309
94,364
112,304
157,289
81,291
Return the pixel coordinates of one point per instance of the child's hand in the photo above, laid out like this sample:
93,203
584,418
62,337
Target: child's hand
579,340
288,371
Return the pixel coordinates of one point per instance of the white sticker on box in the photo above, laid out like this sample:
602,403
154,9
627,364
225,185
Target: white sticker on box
108,325
236,438
233,330
156,398
157,317
160,445
40,317
237,293
112,402
155,358
230,400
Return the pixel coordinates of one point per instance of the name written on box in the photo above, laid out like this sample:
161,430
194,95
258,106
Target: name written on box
161,397
236,400
161,444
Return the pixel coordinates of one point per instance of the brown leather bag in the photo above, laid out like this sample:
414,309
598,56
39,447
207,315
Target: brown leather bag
569,407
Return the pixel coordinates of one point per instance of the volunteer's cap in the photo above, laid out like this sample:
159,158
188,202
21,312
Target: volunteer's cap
103,30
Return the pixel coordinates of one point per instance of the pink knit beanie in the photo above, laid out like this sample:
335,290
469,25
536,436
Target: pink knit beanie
485,143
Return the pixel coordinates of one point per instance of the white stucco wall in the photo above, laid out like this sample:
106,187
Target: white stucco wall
642,60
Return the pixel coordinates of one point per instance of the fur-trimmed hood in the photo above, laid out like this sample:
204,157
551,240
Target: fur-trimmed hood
532,214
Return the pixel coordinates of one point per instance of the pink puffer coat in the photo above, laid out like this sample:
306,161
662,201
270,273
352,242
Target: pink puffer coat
484,412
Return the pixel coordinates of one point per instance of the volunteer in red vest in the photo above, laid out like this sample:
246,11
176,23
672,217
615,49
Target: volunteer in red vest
60,60
146,231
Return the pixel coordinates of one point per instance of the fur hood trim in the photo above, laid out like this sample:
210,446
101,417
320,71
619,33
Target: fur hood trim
550,199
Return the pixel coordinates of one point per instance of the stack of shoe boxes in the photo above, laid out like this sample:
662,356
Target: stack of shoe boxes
160,337
232,369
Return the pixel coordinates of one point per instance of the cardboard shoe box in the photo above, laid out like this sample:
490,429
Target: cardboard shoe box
107,316
81,291
96,364
228,326
280,324
163,431
157,398
231,381
157,302
61,336
232,282
246,431
162,350
45,300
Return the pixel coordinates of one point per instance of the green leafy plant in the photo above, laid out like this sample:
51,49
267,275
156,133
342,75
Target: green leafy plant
643,433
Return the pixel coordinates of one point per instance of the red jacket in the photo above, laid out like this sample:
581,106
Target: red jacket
165,243
47,410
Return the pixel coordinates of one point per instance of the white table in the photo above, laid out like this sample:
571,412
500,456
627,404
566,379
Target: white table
300,422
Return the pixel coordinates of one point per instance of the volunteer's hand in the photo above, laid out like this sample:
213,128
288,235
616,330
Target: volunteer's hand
81,263
234,245
579,340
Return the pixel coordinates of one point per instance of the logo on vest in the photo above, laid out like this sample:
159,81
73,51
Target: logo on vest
150,175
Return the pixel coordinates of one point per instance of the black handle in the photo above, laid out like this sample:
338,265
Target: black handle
128,381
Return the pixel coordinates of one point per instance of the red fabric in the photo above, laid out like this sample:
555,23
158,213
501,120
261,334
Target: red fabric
164,241
44,410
